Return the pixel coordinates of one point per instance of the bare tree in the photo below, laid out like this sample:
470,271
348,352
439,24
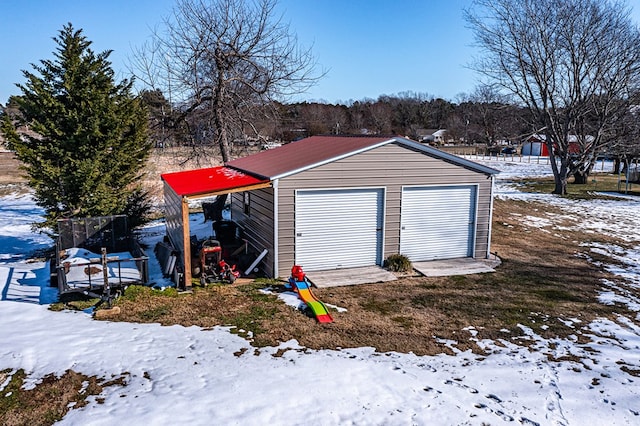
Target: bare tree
573,64
222,63
629,133
492,113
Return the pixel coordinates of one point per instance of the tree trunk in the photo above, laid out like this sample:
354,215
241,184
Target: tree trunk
559,175
218,108
561,186
617,165
580,178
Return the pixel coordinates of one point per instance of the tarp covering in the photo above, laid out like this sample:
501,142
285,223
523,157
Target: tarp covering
210,180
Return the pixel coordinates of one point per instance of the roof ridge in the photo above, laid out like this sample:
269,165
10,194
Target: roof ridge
356,136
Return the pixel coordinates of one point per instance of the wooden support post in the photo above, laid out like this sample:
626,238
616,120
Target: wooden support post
105,272
106,289
186,239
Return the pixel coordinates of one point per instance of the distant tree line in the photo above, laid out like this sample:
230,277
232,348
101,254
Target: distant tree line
475,118
484,118
220,76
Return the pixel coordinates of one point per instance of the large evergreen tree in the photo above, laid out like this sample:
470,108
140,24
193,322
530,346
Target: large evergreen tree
91,135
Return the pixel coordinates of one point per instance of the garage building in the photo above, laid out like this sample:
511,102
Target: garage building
349,201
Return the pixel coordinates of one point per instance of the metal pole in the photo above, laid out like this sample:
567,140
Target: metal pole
105,273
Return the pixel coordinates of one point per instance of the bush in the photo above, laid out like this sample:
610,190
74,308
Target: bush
398,263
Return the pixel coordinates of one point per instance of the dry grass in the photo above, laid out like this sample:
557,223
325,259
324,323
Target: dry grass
540,281
597,183
50,400
11,172
13,178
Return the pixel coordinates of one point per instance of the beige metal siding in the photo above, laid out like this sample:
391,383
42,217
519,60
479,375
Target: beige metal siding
173,218
258,225
390,166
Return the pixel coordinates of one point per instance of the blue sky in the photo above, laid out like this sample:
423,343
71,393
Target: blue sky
368,47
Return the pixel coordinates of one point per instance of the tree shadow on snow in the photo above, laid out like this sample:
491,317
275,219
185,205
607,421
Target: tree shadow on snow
27,283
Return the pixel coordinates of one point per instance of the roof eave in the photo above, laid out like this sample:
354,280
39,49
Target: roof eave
404,141
205,194
449,157
332,159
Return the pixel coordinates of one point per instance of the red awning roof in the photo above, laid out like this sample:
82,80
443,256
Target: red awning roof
209,181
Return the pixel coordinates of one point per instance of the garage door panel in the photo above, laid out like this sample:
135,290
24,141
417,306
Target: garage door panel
437,222
338,228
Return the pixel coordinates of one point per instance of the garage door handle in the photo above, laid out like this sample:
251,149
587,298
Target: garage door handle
299,234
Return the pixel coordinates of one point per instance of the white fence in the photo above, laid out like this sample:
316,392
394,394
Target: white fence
514,158
601,165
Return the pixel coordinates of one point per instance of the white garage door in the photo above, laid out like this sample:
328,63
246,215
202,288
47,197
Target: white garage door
438,222
338,228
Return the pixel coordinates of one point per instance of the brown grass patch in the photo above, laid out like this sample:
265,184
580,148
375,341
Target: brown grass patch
597,183
541,280
11,171
50,400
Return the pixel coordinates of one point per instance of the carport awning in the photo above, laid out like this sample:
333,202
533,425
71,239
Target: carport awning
211,181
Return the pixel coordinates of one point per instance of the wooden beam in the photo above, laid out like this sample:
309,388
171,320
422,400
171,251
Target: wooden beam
186,239
186,231
230,191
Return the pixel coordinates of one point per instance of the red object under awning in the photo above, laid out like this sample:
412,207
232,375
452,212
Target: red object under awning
209,180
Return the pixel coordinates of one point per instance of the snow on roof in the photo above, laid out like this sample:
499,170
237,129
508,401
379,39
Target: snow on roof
209,180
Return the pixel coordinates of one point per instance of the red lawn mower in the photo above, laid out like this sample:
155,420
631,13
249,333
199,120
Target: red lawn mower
212,267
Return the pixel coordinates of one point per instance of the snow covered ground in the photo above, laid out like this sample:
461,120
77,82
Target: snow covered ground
178,375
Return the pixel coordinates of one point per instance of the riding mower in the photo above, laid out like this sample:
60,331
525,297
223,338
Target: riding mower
212,267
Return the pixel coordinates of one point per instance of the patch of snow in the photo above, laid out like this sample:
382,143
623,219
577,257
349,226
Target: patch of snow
190,375
17,240
472,330
289,298
337,308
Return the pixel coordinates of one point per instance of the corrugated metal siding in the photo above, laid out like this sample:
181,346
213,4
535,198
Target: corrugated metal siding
437,222
173,218
258,225
338,228
392,167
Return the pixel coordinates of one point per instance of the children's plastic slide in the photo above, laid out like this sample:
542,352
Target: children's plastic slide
301,286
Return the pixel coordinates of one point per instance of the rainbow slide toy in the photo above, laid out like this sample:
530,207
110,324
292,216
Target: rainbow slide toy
301,286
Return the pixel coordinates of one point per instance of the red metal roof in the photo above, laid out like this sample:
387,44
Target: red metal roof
304,153
209,180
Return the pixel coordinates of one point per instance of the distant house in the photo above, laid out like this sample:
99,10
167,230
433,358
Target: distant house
535,145
433,136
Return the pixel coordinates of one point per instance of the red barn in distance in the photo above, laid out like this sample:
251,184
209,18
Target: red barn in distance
536,145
